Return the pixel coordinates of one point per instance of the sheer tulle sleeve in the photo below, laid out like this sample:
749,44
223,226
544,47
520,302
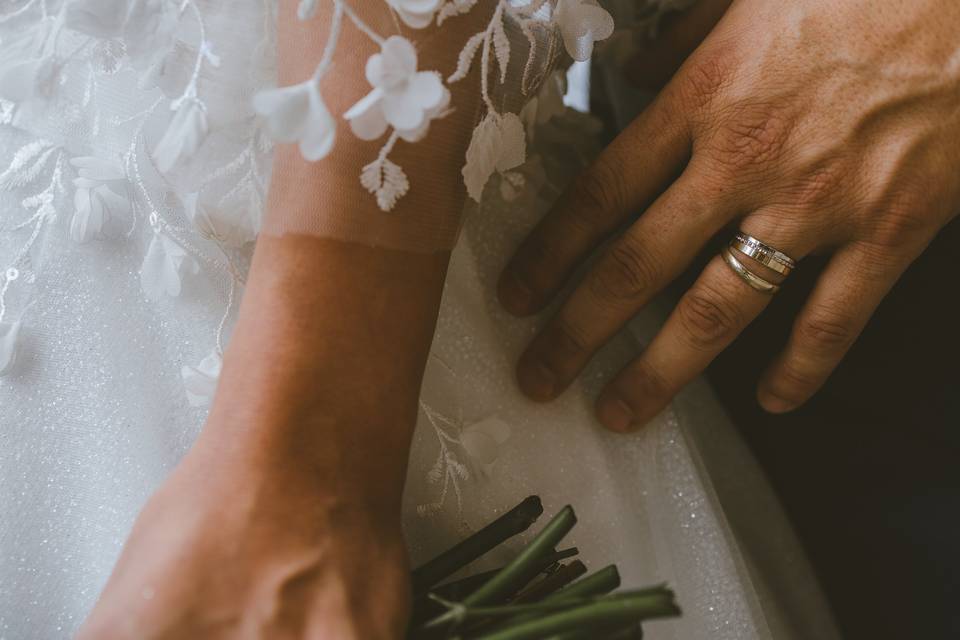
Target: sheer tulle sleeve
401,106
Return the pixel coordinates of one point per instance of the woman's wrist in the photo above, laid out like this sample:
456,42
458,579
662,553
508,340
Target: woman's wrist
324,367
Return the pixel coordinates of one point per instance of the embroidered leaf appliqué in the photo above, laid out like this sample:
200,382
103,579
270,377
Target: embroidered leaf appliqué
454,8
467,54
498,144
501,48
386,180
19,174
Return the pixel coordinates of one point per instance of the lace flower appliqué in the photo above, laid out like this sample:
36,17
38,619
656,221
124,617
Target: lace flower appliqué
416,13
100,198
164,267
404,100
201,381
298,114
498,143
581,23
402,97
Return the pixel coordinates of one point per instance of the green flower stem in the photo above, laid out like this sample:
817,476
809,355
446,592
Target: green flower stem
524,567
612,610
596,584
555,581
515,521
460,589
425,608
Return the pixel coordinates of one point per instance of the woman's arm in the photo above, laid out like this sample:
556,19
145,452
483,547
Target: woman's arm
284,519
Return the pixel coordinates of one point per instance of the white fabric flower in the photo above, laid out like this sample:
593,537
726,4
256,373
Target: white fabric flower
498,145
402,97
297,114
582,22
9,336
201,381
233,223
164,266
416,13
186,132
101,198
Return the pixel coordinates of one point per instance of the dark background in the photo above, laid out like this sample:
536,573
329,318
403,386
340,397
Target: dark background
869,470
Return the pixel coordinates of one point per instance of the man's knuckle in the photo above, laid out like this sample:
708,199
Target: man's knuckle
825,331
628,272
792,383
901,229
707,74
818,186
566,340
753,137
708,320
598,190
645,381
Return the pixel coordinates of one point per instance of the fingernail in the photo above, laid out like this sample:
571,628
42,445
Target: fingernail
773,403
514,295
537,380
614,413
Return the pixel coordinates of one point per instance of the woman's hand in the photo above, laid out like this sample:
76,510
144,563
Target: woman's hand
814,125
233,549
283,521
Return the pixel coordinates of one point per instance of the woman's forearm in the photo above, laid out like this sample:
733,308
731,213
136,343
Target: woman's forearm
325,365
326,361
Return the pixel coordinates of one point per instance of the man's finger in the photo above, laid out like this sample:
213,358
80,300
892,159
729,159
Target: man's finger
708,317
627,176
847,293
649,255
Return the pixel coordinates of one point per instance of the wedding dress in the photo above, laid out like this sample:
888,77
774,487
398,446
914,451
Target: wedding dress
133,172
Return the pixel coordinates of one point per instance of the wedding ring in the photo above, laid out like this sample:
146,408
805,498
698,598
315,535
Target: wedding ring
763,253
746,275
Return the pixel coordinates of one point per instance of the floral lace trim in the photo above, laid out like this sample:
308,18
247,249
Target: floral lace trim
403,100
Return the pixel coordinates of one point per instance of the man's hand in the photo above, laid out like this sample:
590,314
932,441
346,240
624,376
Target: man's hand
814,126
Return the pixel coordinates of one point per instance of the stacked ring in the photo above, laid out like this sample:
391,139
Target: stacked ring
752,279
764,254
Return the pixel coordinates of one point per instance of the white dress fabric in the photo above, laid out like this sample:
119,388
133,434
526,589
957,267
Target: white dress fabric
123,249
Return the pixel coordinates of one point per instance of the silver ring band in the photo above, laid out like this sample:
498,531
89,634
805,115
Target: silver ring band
752,279
763,253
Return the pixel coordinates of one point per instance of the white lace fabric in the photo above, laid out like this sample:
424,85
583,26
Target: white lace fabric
429,66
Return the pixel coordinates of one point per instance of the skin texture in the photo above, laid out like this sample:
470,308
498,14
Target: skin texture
817,126
283,521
